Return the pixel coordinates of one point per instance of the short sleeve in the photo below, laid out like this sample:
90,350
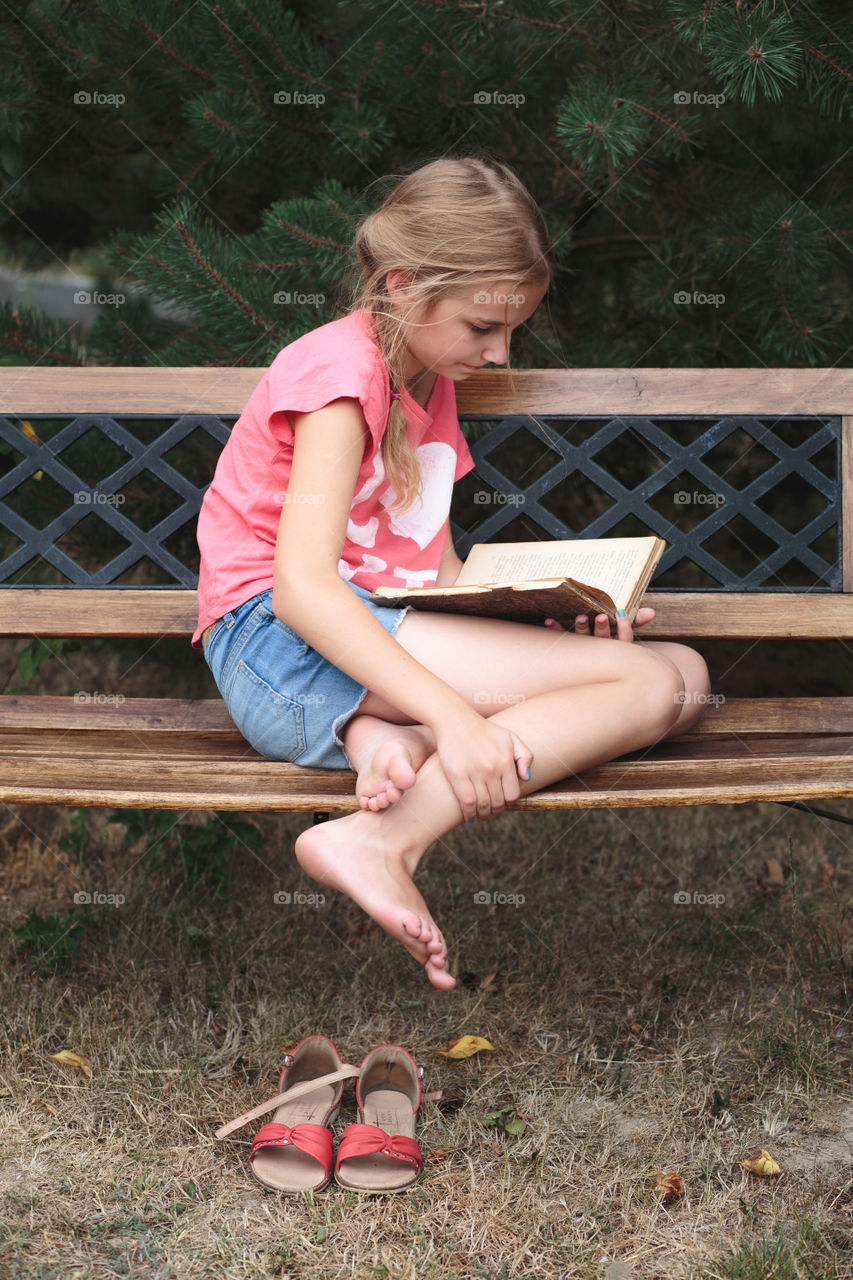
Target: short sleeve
324,365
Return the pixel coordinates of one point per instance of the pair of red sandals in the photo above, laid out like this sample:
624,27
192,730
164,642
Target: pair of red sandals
293,1153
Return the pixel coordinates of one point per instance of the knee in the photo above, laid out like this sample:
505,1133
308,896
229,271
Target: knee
659,686
697,685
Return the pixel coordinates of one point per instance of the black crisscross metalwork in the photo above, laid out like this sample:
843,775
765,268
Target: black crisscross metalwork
571,461
580,460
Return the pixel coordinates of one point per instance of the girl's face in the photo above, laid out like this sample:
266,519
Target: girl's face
466,330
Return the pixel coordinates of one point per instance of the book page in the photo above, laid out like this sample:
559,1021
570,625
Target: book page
612,564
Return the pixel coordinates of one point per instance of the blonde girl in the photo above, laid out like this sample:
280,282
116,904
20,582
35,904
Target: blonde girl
336,480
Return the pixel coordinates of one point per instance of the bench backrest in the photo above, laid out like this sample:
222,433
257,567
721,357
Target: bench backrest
573,428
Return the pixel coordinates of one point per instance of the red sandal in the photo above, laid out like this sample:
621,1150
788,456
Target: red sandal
293,1152
380,1154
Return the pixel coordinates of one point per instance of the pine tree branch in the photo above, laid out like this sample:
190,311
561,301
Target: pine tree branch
843,73
77,53
671,126
176,57
17,342
271,267
294,71
220,281
480,8
301,234
248,69
179,277
795,324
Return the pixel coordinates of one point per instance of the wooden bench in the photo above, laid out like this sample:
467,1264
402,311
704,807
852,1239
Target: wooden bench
177,753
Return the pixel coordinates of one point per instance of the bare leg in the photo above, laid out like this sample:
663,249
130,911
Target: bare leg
386,757
372,857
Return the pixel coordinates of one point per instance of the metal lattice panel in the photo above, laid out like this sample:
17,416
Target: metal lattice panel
571,462
142,457
792,461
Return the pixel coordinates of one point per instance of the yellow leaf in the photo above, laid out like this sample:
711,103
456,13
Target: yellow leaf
670,1184
464,1047
27,428
73,1060
763,1164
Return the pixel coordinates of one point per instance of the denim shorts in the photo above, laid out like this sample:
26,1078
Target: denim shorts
287,700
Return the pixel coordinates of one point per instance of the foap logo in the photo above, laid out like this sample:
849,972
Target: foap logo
682,98
285,298
485,298
685,899
84,899
95,298
484,99
683,298
294,98
483,898
85,98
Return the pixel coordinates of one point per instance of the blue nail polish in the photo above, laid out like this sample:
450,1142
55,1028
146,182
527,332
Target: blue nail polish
472,819
527,775
620,613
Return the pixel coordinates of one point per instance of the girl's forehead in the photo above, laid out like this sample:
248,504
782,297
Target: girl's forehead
492,299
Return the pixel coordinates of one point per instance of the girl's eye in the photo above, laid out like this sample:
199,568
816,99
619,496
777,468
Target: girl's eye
474,329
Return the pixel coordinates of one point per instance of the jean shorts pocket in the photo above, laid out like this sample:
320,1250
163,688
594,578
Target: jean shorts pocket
273,724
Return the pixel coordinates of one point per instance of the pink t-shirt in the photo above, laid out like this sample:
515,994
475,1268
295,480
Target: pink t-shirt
241,511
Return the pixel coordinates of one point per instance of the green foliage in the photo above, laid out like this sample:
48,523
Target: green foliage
50,942
197,852
690,146
29,660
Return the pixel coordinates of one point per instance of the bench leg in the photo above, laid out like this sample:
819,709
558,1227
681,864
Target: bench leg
817,813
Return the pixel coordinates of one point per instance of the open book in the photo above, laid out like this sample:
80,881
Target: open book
532,581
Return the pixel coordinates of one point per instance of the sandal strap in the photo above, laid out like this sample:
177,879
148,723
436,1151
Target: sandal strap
346,1072
313,1139
369,1139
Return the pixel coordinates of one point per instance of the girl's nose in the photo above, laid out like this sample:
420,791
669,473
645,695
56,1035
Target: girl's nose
496,351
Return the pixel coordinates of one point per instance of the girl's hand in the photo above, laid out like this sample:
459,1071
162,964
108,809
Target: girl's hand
624,630
483,763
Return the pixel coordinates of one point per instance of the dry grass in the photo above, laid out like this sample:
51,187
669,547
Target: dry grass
631,1035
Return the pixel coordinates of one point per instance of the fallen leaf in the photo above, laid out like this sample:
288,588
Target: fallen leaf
488,983
827,873
763,1164
464,1047
774,872
73,1060
27,428
437,1155
39,1102
670,1184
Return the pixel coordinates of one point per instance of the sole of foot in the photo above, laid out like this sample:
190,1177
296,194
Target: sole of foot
347,855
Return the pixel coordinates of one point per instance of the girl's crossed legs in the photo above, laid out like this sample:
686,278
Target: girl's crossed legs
575,701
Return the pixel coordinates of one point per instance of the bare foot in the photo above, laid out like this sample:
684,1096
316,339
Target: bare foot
350,855
387,757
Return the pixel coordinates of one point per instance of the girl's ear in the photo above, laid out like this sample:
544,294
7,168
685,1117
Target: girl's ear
398,281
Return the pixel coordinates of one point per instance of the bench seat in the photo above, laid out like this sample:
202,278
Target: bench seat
164,753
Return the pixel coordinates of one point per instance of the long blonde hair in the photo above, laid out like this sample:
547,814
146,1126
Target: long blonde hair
451,224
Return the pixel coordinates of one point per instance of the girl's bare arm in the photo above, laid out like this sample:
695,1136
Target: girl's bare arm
451,565
309,594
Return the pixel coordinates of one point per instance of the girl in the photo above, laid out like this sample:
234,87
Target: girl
337,479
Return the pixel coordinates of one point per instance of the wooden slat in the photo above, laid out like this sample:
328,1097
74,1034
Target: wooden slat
208,717
845,480
150,611
176,771
160,389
